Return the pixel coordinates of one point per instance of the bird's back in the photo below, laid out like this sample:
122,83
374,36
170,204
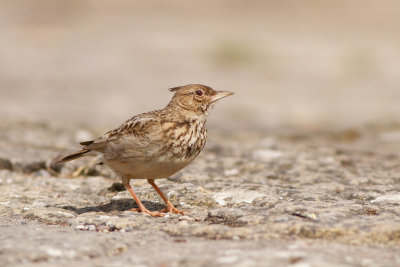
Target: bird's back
152,145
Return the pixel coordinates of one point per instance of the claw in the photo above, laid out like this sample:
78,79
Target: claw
152,213
170,208
141,208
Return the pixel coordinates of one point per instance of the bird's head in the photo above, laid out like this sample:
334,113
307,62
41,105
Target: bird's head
196,98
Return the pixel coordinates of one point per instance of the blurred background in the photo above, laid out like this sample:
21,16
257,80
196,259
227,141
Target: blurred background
307,64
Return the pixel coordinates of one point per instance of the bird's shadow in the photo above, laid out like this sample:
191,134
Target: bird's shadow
115,205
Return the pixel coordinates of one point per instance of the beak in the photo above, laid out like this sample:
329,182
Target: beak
220,94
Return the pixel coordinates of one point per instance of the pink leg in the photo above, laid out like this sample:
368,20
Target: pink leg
170,207
141,208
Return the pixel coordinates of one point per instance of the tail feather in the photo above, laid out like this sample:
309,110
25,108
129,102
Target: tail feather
86,143
73,156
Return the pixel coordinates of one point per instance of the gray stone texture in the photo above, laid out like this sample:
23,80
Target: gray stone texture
252,199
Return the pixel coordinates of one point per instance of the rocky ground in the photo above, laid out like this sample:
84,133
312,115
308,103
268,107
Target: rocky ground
252,199
291,186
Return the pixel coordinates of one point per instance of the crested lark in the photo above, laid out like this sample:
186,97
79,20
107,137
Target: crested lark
158,143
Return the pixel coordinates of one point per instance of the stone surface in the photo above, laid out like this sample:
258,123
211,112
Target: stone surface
288,185
324,201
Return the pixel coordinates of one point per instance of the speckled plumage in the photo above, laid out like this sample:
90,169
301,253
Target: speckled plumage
159,143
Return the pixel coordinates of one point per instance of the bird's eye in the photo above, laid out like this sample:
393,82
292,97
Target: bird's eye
199,92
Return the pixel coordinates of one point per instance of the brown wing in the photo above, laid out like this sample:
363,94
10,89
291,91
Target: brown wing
137,125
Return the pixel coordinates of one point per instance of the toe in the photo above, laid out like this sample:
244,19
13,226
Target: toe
136,210
152,213
178,211
170,208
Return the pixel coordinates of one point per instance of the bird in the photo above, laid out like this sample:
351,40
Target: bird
157,144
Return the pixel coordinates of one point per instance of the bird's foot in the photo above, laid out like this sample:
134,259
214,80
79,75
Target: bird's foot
152,213
170,208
